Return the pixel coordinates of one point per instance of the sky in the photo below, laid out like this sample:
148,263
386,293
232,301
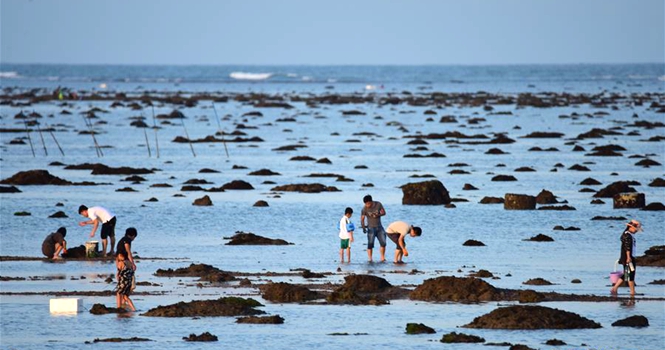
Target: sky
336,32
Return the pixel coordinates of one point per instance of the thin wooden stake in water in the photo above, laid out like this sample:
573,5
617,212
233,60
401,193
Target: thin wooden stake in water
27,131
219,127
42,138
145,133
56,142
187,135
154,126
94,138
92,133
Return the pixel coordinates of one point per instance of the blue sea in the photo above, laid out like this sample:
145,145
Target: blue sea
173,229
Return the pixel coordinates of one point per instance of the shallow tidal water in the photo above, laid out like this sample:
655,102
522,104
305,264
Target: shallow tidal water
173,229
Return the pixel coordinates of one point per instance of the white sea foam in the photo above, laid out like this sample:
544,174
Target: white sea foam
250,76
292,75
9,75
661,78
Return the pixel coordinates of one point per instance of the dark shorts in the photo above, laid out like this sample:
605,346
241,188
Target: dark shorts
395,238
344,243
108,229
629,276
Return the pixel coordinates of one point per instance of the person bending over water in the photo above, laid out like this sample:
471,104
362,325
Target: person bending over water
397,232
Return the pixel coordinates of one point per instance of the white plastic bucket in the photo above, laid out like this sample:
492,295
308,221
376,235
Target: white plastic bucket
91,249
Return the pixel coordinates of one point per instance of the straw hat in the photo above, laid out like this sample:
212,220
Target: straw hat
635,224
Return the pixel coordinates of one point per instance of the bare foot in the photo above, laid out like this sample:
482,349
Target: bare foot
613,291
57,257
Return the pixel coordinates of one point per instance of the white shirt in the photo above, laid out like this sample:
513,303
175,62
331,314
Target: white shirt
400,227
343,233
102,213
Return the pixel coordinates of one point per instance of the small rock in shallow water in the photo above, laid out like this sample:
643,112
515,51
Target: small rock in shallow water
206,336
419,328
638,321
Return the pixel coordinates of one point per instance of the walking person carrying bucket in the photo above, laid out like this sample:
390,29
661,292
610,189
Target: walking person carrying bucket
627,258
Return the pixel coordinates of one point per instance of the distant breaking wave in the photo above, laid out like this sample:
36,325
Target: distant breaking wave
250,76
9,75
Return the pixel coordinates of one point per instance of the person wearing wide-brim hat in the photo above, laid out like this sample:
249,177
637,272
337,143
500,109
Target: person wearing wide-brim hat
628,243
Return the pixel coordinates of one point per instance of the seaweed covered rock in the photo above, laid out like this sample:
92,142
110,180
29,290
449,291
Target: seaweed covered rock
345,296
101,309
638,321
654,256
537,282
529,296
275,319
264,172
655,206
461,338
425,193
261,203
101,169
540,238
614,188
204,201
58,215
546,197
419,328
473,243
229,306
362,290
205,336
117,340
504,178
519,202
457,289
657,182
305,188
557,207
35,177
531,317
631,200
283,292
237,185
75,253
207,273
248,238
366,283
491,200
9,189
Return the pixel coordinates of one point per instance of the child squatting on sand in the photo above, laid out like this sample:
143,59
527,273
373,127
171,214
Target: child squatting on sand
346,228
124,276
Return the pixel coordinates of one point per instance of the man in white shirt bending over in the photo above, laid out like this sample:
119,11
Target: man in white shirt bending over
397,231
107,219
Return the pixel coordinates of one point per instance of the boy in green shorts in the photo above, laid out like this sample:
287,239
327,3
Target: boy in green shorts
346,228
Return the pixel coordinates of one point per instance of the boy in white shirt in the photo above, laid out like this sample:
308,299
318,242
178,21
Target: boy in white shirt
346,228
99,215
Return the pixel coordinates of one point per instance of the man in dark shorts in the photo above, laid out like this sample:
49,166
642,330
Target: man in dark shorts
627,259
373,211
397,231
125,246
99,215
54,244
